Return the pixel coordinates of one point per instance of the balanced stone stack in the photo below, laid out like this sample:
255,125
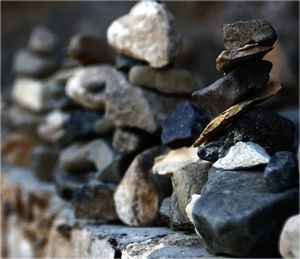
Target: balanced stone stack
252,187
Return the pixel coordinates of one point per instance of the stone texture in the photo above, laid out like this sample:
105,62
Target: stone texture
146,33
229,59
167,164
190,207
124,63
104,126
140,193
233,87
289,238
268,129
281,173
240,33
189,180
183,125
243,155
220,122
235,214
168,81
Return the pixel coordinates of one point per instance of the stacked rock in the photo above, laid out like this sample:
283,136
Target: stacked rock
254,174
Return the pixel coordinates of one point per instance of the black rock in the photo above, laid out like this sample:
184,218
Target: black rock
124,63
237,216
268,129
281,173
183,125
240,33
233,87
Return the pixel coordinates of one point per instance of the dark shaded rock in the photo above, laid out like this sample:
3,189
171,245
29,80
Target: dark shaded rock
240,33
124,63
183,125
268,129
235,214
233,87
281,173
104,126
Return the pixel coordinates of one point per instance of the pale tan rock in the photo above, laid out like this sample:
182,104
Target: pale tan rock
146,33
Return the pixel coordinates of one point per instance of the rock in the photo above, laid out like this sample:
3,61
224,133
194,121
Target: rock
124,63
190,207
268,129
220,122
104,126
234,87
289,238
241,33
167,164
44,161
169,80
281,173
88,49
92,193
183,125
140,193
189,180
29,64
230,59
146,33
243,155
42,40
127,142
235,214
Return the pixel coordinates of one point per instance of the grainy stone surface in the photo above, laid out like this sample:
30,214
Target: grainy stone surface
42,40
124,63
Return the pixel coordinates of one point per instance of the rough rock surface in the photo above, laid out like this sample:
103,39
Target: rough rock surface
146,33
124,63
234,87
169,80
240,33
235,214
104,126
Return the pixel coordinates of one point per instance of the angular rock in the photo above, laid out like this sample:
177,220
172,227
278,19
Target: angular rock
243,155
189,180
240,33
289,238
183,125
140,193
167,164
229,59
235,214
99,194
42,40
268,129
169,80
146,33
281,173
190,207
29,64
234,87
104,126
124,63
220,122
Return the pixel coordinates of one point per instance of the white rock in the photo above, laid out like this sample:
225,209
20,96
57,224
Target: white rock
189,207
243,155
146,33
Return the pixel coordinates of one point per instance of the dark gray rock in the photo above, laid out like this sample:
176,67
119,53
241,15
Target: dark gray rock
104,126
240,33
281,173
268,129
183,125
237,216
124,63
233,87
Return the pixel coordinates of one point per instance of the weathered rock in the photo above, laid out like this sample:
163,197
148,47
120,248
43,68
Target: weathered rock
169,80
124,63
104,126
243,155
42,40
189,180
146,33
235,214
289,238
190,207
29,64
167,164
229,59
234,87
183,125
268,129
140,193
281,173
94,201
220,122
240,33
